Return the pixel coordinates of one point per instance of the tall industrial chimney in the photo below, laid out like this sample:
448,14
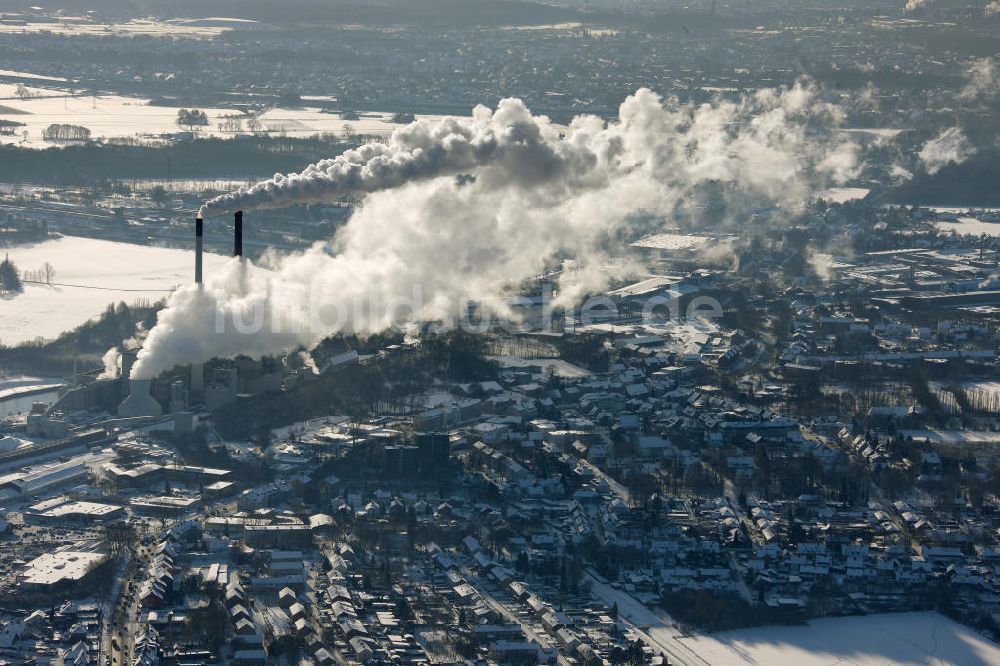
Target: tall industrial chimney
197,369
139,402
199,228
238,237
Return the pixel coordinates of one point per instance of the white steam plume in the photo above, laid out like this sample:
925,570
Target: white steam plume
914,5
982,84
992,9
951,145
900,174
822,264
509,137
527,194
112,361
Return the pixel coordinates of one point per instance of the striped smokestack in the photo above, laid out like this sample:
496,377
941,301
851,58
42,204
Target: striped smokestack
238,236
199,228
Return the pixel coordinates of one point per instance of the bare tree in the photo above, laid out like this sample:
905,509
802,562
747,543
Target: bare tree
49,272
231,124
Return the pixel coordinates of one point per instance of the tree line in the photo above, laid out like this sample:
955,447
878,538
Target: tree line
90,163
65,132
45,274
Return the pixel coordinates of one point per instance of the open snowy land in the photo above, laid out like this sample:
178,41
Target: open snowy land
927,639
892,639
89,275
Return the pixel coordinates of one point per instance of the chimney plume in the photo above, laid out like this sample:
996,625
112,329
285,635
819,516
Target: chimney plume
199,228
238,238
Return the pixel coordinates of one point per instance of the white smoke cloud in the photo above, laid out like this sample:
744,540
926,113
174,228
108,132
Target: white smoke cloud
528,196
822,264
992,9
309,362
913,5
510,137
112,361
982,81
868,99
899,173
951,145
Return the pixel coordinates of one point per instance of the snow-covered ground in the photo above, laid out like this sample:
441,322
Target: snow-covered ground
29,75
670,241
879,132
928,639
14,386
897,639
146,27
308,121
8,91
54,101
558,366
116,116
954,437
968,226
843,194
100,272
18,393
106,116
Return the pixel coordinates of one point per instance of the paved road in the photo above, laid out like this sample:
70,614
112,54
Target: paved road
512,617
655,630
616,488
108,611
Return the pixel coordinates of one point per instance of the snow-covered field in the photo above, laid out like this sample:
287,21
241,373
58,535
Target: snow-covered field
954,437
101,272
558,366
896,639
8,91
54,101
670,241
307,121
928,639
116,116
147,27
106,116
843,194
13,386
18,393
29,75
983,395
968,226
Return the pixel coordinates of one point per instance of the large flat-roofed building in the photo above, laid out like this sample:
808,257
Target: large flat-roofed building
219,489
27,455
45,477
64,511
150,473
272,536
50,570
164,505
